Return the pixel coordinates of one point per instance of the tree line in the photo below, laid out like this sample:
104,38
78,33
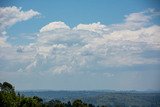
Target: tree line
9,98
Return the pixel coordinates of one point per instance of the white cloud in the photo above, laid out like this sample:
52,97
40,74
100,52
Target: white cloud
95,27
11,15
88,47
135,21
61,69
144,16
54,25
3,42
137,17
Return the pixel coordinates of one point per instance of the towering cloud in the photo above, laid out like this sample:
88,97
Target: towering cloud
91,47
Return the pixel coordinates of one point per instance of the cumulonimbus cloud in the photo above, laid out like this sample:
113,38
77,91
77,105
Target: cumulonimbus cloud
89,47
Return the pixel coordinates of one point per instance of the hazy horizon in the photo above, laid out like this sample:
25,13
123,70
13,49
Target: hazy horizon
94,90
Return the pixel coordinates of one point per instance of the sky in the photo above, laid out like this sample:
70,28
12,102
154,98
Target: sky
80,45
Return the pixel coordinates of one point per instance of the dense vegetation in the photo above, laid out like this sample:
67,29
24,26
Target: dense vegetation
10,98
110,98
126,99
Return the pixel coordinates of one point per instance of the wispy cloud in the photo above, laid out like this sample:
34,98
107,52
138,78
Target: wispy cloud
10,16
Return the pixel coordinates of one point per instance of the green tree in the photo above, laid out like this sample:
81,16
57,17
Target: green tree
6,87
68,104
55,103
40,100
78,103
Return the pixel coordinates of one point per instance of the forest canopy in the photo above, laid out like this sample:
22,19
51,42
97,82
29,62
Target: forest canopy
9,98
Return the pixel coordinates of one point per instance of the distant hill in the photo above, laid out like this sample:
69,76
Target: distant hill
110,98
63,95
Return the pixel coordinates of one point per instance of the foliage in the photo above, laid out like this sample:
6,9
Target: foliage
98,98
8,98
6,87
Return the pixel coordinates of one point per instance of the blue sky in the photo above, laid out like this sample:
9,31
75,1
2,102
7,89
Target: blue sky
80,45
74,12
